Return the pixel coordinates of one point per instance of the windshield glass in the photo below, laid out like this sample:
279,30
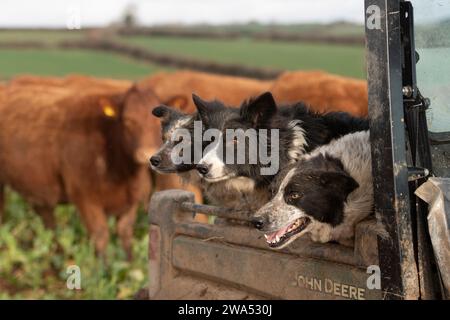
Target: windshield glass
432,33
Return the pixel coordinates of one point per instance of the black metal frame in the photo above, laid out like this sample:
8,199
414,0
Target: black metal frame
400,151
415,106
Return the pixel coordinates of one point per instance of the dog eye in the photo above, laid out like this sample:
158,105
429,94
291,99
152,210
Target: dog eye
294,196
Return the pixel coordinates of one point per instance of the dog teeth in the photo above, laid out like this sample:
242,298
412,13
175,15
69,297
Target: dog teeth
277,238
294,226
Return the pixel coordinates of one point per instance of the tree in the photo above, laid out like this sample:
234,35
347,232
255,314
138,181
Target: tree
129,17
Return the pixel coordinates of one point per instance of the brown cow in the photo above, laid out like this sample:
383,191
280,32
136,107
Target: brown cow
90,150
2,89
175,89
86,85
322,91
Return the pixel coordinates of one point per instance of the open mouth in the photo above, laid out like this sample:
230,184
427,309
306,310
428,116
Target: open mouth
281,237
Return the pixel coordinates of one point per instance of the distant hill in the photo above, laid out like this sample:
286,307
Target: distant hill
337,32
336,28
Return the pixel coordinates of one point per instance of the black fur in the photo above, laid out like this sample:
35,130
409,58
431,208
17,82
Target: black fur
320,128
168,116
319,187
258,112
261,113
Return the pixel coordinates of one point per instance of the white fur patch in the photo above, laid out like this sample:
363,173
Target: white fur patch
279,196
240,184
180,123
215,163
298,143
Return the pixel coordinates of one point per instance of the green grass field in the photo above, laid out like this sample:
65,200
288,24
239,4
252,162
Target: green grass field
47,36
341,59
58,63
34,260
333,29
344,60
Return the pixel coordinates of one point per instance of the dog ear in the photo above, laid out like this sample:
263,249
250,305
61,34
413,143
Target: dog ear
202,108
166,113
259,110
340,181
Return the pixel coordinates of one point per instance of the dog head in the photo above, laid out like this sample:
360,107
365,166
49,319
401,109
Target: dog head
172,121
309,197
231,153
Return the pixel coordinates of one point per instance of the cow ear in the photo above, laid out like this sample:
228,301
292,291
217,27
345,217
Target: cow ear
260,110
202,108
140,97
340,181
179,101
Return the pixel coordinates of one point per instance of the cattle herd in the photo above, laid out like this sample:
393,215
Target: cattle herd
88,142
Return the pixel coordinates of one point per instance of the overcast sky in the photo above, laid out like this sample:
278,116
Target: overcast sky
55,13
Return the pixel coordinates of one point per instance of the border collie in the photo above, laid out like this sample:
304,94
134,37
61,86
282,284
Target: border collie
217,193
171,121
325,194
300,131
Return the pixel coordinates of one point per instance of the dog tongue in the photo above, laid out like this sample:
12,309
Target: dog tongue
279,233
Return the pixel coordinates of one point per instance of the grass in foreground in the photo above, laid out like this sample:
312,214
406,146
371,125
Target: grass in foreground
340,59
33,260
59,63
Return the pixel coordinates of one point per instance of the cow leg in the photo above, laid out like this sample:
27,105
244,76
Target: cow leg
47,216
95,220
125,227
2,202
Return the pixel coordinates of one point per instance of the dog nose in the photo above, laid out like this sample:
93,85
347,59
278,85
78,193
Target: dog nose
258,222
155,161
203,168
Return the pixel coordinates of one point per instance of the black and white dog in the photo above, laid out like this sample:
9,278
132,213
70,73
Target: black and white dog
171,121
325,194
242,185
